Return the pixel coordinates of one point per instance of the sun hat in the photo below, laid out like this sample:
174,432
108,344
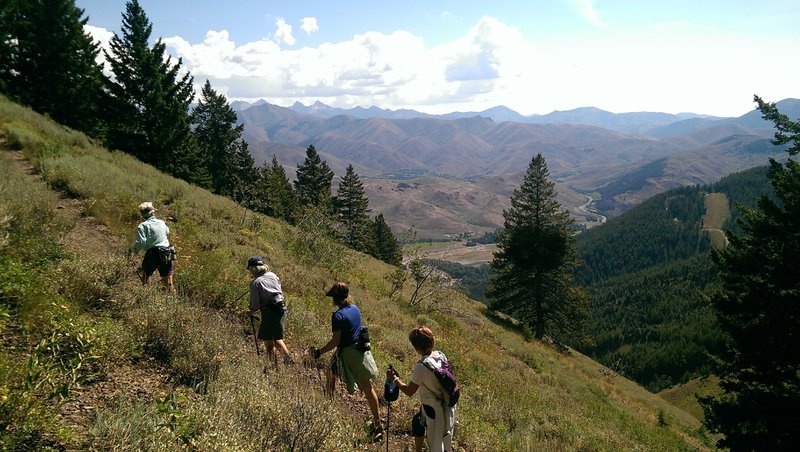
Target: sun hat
146,207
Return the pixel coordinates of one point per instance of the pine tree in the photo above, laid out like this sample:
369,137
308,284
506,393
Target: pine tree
246,177
49,62
9,20
759,308
535,259
219,140
278,196
313,184
384,243
353,212
149,109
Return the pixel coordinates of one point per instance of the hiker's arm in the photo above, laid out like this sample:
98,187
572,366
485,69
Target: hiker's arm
141,239
333,343
408,389
255,299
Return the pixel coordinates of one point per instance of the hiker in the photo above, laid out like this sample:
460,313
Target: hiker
353,361
435,419
266,297
152,237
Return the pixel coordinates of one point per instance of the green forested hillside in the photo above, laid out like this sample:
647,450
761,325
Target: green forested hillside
647,271
93,360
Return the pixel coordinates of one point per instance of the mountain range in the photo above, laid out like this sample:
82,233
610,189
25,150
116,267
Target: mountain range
455,172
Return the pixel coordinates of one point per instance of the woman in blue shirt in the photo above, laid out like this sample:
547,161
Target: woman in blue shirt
353,360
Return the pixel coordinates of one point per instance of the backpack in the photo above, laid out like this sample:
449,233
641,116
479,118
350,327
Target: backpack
444,374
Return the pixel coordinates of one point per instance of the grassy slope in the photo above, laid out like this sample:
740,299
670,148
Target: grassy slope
517,395
717,212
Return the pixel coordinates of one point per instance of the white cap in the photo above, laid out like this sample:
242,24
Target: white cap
146,207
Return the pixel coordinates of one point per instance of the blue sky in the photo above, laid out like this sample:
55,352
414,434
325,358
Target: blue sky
439,56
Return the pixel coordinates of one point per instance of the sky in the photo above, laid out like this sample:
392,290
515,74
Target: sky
439,56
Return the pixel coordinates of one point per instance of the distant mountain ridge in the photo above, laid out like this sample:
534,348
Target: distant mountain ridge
634,122
623,167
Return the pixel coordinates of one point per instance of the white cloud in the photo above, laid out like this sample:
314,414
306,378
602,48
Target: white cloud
101,36
309,25
494,64
587,9
284,32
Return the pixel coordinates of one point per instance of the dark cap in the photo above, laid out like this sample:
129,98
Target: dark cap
338,291
255,261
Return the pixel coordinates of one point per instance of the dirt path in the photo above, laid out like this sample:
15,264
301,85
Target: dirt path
143,380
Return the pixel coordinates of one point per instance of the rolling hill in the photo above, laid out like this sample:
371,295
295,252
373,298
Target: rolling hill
647,270
516,394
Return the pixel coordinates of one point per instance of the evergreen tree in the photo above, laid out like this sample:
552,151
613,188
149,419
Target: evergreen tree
535,260
219,140
313,184
9,18
759,308
49,63
384,243
149,112
278,196
352,211
246,177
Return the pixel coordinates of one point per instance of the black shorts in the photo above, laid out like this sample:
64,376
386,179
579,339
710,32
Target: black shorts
273,324
152,262
417,425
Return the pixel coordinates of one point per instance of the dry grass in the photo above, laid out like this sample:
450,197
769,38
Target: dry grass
517,395
717,211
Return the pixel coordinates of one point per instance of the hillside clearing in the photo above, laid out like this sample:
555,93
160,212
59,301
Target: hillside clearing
717,211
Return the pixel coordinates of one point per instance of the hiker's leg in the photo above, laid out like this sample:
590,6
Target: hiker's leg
418,430
271,355
418,442
167,282
330,383
372,399
282,346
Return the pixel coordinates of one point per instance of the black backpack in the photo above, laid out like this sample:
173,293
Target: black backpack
444,374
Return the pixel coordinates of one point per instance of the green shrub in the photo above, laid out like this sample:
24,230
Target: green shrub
192,340
92,281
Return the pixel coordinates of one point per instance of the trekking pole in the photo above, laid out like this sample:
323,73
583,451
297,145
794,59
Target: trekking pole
241,296
255,336
390,393
388,422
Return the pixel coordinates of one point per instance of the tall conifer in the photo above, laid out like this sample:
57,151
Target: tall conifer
219,139
384,243
313,184
759,308
353,211
149,114
535,259
278,195
48,62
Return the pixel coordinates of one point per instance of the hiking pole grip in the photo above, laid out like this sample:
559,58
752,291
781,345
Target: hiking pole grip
255,336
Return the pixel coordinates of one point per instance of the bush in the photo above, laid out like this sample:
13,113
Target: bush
191,339
91,281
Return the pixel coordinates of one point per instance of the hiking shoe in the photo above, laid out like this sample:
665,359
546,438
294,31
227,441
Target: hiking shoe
375,429
287,360
376,432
